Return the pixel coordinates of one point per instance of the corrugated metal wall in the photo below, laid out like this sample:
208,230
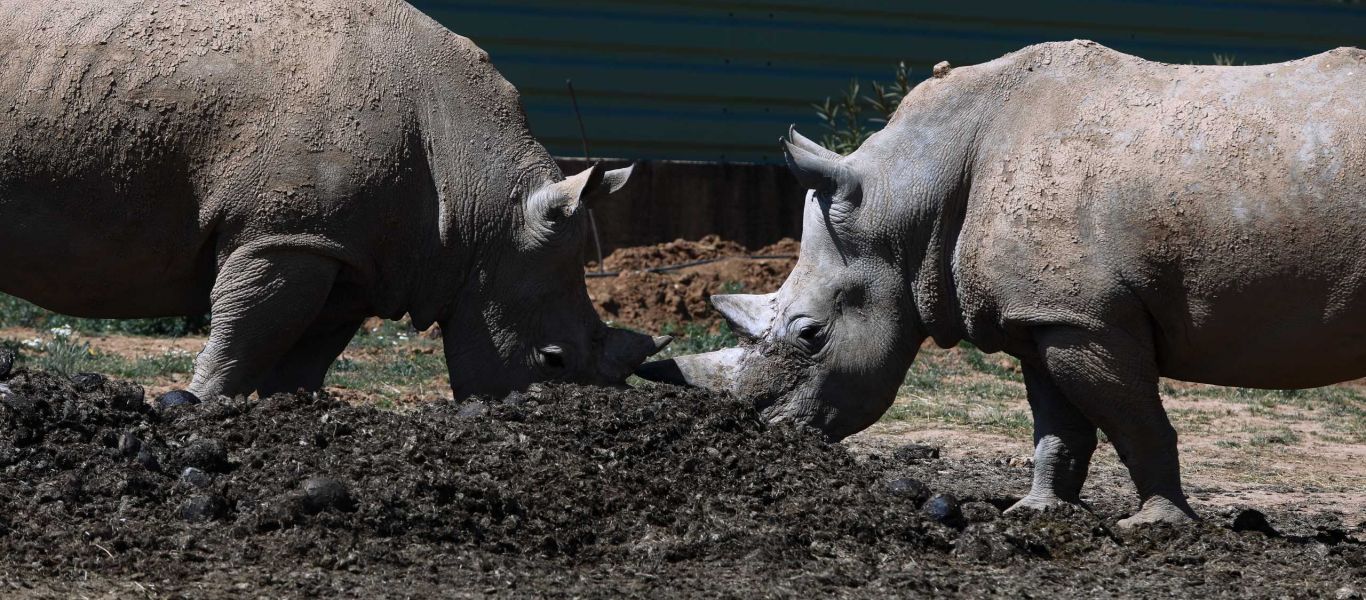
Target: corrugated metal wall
721,80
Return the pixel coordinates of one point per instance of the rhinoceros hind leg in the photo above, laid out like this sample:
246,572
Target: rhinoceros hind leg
1064,440
262,302
1112,377
306,364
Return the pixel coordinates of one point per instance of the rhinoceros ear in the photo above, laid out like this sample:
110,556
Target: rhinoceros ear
558,201
801,141
749,315
814,169
615,179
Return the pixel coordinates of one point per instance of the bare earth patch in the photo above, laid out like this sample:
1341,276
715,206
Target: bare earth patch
1299,451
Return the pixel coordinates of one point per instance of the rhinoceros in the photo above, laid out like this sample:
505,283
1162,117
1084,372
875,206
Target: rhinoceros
292,167
1106,219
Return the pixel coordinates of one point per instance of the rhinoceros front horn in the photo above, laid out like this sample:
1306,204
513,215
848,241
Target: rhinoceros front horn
712,370
748,314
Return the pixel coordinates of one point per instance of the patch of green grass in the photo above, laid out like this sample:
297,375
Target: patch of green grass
19,313
387,374
990,365
389,334
143,367
968,412
932,370
64,355
1278,437
995,392
1341,409
694,338
963,388
732,287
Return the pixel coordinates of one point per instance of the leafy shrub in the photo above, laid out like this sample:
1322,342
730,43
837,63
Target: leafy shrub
850,119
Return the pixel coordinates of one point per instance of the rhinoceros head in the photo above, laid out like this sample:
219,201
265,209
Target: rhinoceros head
831,347
533,320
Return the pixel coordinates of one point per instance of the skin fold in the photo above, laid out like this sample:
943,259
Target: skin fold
292,167
1106,219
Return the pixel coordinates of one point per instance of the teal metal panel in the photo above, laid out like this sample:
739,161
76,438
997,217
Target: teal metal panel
721,80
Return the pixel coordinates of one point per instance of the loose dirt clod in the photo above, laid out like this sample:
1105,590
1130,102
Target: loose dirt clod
570,491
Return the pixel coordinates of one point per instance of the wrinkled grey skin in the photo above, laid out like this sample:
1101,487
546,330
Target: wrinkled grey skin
1105,219
293,167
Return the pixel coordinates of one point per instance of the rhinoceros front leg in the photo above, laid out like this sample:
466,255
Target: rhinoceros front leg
1064,440
262,302
1112,377
305,365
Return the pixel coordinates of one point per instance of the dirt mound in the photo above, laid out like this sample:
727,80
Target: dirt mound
672,253
654,301
563,491
784,247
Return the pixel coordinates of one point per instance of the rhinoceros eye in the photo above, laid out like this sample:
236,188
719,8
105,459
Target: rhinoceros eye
810,335
550,357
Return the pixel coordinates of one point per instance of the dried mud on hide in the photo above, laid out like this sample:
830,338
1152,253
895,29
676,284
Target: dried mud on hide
563,491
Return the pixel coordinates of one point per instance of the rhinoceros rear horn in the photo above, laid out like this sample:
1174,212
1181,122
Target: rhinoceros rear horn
748,314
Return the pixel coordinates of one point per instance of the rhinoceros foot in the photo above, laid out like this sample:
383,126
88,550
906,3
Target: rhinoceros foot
1158,509
1038,503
